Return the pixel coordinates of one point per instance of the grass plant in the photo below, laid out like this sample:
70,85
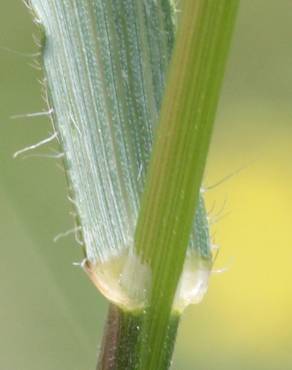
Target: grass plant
133,86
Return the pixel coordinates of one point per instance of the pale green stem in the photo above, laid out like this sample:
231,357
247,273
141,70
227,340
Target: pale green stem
178,158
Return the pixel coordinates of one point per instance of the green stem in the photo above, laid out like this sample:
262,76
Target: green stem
122,342
178,159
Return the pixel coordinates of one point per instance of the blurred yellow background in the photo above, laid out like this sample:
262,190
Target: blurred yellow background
50,315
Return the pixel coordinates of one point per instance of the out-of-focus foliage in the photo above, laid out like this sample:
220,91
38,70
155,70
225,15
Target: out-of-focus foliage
51,317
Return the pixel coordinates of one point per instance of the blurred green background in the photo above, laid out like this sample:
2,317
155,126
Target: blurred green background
50,315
